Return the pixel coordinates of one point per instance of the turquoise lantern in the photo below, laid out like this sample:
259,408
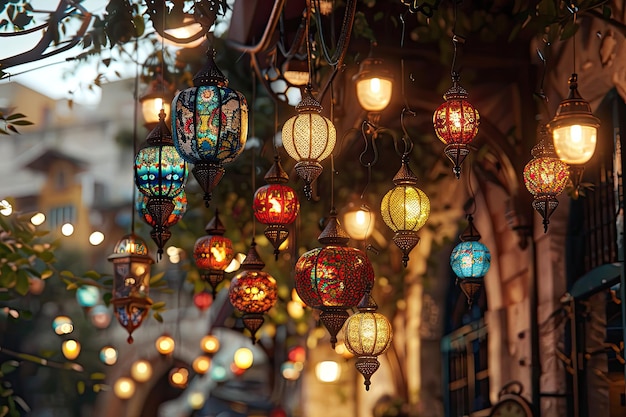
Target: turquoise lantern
209,125
470,260
160,174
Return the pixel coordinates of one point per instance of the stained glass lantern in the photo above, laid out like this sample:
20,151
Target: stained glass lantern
309,138
253,291
470,260
210,125
213,253
405,209
574,132
276,205
456,124
131,282
333,278
160,174
545,176
180,207
367,336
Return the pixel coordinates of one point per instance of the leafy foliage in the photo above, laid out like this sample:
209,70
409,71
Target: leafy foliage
10,121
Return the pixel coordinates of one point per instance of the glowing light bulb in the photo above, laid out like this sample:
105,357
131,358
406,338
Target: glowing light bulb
218,253
375,85
96,238
327,371
124,388
276,207
38,219
141,370
67,229
576,132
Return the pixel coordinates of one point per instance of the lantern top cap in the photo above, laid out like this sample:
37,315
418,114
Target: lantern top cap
456,92
372,67
210,74
544,147
308,104
157,88
276,174
405,175
367,304
573,107
470,234
333,233
161,134
253,261
215,225
131,245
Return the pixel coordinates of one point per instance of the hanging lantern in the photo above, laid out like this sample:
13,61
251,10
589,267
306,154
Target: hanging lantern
367,336
213,253
374,85
276,205
333,278
309,138
131,282
470,260
456,124
359,221
210,125
545,176
202,300
252,291
158,96
180,207
405,209
160,174
574,131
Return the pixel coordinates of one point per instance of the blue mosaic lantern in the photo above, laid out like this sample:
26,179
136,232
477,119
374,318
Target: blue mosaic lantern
470,260
160,174
131,282
209,125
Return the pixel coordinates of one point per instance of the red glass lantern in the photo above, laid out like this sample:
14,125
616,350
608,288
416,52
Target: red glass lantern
545,176
213,253
456,124
333,278
202,300
276,205
131,282
252,291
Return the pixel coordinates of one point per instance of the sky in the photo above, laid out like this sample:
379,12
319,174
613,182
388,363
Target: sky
54,76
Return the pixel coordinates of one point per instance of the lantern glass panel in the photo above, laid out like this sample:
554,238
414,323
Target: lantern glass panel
150,108
210,124
275,204
309,136
374,94
546,176
253,291
213,252
160,171
333,276
575,144
456,121
405,207
470,259
367,334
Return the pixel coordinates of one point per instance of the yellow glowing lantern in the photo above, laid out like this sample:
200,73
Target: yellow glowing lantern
70,349
165,344
243,358
124,388
141,370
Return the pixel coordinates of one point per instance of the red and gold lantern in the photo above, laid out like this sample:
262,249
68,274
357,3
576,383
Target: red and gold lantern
213,253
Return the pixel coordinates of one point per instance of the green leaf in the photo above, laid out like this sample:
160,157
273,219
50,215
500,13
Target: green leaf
80,387
156,278
21,284
8,367
100,376
158,306
157,317
93,275
16,116
22,123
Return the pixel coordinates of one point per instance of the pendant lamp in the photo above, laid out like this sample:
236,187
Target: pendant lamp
405,209
333,278
367,336
276,205
456,124
253,291
209,125
309,138
131,282
213,253
160,174
470,260
545,176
